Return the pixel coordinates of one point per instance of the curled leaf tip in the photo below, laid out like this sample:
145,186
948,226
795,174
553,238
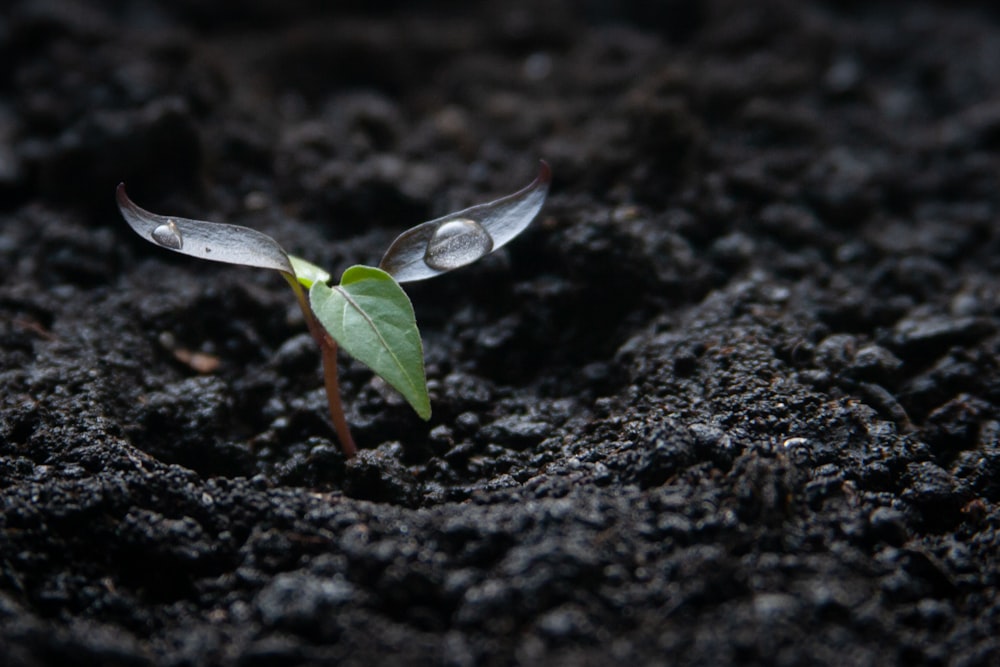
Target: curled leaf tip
218,242
462,237
544,173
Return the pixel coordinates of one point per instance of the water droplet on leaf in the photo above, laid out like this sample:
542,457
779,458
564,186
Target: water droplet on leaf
168,236
456,243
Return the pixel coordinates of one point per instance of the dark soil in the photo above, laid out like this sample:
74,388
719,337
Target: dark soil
733,399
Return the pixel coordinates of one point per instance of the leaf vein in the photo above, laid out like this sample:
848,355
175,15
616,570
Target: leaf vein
371,323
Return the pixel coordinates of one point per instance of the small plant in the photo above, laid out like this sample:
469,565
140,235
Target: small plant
368,313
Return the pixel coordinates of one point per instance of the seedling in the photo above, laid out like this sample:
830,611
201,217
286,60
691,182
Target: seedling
368,313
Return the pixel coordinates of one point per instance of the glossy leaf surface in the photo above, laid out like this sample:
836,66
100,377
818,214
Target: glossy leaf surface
462,237
215,241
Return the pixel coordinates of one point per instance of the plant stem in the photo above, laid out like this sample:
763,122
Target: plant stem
328,350
332,383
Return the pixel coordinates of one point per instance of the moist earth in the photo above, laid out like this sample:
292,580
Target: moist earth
732,399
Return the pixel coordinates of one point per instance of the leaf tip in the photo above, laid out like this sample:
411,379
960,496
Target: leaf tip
544,173
133,213
121,197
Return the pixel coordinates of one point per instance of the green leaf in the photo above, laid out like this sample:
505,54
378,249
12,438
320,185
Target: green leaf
308,273
370,316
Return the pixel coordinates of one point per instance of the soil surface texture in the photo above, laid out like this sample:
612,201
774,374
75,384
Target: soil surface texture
734,397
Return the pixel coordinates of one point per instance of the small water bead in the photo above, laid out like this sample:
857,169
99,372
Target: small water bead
168,236
457,243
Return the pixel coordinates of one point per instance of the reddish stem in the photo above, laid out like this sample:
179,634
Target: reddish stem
328,349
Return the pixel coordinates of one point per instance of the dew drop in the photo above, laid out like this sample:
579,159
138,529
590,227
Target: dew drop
168,236
457,243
